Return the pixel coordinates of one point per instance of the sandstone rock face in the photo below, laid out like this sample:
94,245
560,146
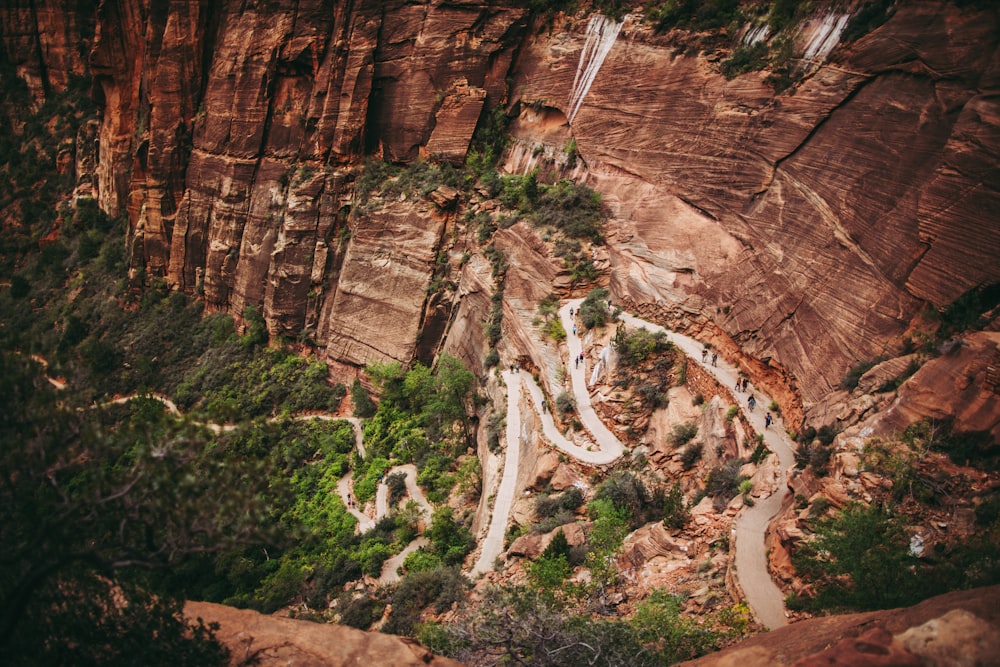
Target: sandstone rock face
801,230
817,230
226,129
956,384
376,312
43,41
957,638
274,640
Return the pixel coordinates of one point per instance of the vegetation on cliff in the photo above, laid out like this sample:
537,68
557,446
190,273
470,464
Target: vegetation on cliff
871,556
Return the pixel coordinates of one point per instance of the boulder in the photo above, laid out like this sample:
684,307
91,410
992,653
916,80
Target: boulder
957,639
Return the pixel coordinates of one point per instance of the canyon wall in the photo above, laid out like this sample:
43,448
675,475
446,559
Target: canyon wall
809,227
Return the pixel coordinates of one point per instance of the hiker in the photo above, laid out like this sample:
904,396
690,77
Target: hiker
751,402
746,381
571,312
715,358
739,384
576,362
704,354
545,406
767,420
574,329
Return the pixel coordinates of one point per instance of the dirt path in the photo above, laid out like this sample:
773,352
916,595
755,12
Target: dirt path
389,568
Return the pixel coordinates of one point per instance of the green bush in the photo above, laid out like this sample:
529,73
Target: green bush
363,404
554,330
694,15
745,59
421,560
638,345
683,433
853,376
861,561
359,611
724,480
594,309
565,403
870,16
439,589
675,511
572,208
549,572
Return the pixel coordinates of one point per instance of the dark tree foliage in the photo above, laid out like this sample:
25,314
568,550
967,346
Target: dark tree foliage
88,507
531,627
861,560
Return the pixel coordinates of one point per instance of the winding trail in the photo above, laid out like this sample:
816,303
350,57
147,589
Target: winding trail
390,567
365,523
763,596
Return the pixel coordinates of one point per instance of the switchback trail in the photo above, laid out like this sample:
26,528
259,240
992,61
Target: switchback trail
365,522
763,596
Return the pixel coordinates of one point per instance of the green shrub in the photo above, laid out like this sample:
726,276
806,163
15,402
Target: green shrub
731,413
683,433
724,480
675,511
870,16
359,611
396,483
691,455
594,309
420,560
636,346
694,15
781,15
651,395
573,208
745,59
439,589
853,376
554,330
363,404
565,403
861,559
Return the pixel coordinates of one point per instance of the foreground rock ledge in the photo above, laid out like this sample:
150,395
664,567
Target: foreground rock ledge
275,640
960,628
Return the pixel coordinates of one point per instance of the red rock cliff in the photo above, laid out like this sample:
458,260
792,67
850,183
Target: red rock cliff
811,226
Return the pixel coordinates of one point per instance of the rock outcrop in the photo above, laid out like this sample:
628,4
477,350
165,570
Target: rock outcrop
963,627
253,638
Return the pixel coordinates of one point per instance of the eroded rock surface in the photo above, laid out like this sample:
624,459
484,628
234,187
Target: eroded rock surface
805,229
275,640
